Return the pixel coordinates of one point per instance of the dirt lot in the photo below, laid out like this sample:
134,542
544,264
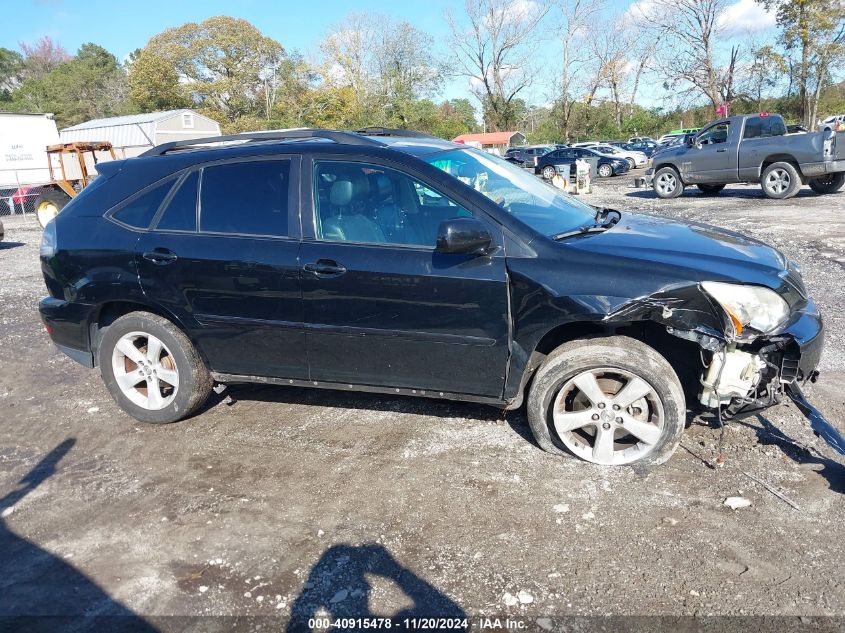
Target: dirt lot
332,503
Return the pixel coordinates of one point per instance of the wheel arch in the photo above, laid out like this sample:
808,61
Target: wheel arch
107,313
684,356
660,166
781,158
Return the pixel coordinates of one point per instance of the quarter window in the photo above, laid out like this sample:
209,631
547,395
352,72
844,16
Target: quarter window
141,210
181,211
248,197
357,202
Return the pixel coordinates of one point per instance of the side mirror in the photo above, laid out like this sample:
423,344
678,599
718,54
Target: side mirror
463,235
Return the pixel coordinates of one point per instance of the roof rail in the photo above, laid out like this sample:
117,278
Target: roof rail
392,131
338,136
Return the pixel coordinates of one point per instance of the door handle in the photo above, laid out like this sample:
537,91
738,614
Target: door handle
722,150
160,256
325,268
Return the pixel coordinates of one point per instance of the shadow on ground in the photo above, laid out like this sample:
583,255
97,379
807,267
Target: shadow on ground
7,245
693,192
340,585
41,592
769,434
373,402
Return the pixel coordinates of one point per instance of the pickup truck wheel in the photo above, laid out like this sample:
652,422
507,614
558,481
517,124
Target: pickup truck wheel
605,171
829,183
151,369
780,181
710,190
667,183
609,401
549,172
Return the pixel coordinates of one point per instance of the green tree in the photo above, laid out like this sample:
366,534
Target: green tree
88,86
220,65
812,33
11,65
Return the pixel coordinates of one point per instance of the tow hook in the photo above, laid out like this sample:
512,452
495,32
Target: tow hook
818,423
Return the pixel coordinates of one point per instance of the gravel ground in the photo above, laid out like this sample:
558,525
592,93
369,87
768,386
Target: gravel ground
319,502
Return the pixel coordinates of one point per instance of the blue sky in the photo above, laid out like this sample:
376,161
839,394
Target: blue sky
299,25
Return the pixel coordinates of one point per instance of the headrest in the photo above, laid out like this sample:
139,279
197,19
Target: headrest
360,185
383,185
341,193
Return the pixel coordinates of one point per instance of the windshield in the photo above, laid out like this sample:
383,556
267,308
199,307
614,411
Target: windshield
542,207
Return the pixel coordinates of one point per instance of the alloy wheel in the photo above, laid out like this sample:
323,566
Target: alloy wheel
145,370
778,181
666,183
608,416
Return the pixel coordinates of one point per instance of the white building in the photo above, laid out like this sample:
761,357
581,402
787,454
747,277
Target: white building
134,134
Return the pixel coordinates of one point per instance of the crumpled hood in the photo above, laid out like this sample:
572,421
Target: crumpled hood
713,251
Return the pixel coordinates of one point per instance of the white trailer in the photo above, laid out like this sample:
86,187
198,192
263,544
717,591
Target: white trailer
23,148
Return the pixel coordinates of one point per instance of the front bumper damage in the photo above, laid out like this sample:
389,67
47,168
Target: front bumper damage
741,378
777,366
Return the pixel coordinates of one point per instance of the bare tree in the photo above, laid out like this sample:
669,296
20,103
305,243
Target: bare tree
687,32
575,29
387,64
42,57
495,41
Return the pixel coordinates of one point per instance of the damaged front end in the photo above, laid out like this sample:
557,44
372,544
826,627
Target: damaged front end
757,345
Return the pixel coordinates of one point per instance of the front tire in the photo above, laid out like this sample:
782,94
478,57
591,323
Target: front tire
710,190
48,204
151,369
829,183
549,172
605,171
609,401
780,181
667,183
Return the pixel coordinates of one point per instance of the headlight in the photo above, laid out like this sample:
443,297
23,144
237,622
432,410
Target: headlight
761,309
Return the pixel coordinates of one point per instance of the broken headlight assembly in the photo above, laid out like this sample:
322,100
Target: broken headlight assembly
754,308
751,310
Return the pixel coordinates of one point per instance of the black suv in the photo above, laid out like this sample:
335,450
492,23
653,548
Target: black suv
522,155
410,265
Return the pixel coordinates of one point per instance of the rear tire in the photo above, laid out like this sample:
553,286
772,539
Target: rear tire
48,204
829,183
710,190
780,181
649,432
549,172
142,351
667,183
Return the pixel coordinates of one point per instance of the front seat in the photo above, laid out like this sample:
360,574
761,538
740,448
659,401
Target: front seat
345,224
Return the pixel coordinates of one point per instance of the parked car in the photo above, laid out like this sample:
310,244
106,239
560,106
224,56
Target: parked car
635,159
548,164
641,139
522,155
414,266
835,123
675,140
646,147
795,129
751,148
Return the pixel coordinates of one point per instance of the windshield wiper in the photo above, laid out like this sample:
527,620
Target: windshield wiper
584,230
604,219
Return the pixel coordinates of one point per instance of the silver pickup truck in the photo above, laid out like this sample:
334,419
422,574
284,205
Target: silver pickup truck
750,148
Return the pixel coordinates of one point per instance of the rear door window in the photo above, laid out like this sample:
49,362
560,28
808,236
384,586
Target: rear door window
140,210
246,198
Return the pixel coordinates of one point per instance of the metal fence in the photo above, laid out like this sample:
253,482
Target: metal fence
19,189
